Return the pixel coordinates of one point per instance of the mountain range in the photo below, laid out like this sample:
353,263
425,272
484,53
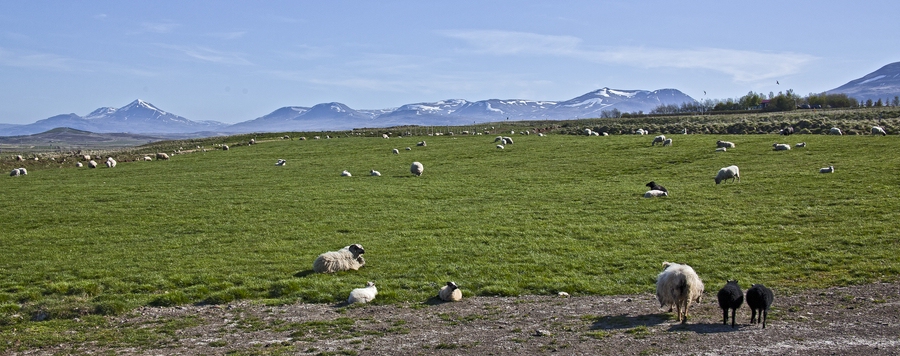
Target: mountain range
883,84
141,117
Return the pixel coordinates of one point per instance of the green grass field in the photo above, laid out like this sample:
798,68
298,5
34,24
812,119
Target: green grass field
547,214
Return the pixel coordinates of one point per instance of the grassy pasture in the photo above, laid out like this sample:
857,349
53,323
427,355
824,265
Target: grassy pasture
547,214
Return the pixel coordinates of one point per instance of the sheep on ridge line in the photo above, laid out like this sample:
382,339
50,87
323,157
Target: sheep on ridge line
416,168
759,299
363,295
345,259
678,285
450,293
728,172
730,297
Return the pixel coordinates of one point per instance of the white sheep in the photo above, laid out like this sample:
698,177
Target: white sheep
147,158
800,144
110,162
280,162
667,142
345,173
678,285
726,144
728,172
395,151
22,171
450,293
500,147
92,164
588,132
422,143
86,157
498,138
641,132
829,169
15,172
409,149
375,173
721,149
19,158
363,295
835,131
781,147
162,155
655,193
252,141
78,164
507,140
345,259
416,168
658,139
224,147
878,130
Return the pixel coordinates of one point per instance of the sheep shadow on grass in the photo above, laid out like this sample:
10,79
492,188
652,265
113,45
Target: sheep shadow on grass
624,321
705,328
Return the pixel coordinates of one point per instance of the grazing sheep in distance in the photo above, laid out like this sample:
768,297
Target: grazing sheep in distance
500,147
385,136
280,162
363,295
224,147
78,164
730,297
728,172
92,164
507,140
835,131
498,138
86,157
588,132
395,151
15,172
725,144
110,162
450,293
829,169
759,298
721,149
781,146
678,285
786,131
147,158
345,173
421,143
877,130
375,173
667,142
302,138
252,141
345,259
161,155
409,149
19,158
655,193
801,144
416,168
641,132
658,139
653,186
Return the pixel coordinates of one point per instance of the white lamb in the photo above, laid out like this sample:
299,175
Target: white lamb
835,131
728,172
658,139
450,293
878,130
781,146
345,259
667,142
345,173
726,144
678,285
422,144
147,158
416,168
655,193
375,173
363,295
829,169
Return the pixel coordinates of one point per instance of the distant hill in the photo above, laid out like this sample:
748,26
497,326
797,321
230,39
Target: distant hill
68,137
883,84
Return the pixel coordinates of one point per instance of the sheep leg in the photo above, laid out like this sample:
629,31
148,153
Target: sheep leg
725,316
753,316
733,313
763,314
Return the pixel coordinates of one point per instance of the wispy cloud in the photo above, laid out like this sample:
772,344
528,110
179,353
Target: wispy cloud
228,35
209,55
159,27
741,65
35,60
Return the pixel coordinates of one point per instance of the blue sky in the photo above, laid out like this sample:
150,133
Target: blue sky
233,61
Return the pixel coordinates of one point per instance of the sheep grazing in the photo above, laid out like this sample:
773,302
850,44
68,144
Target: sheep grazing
110,162
416,168
721,149
787,131
653,186
728,172
678,285
498,139
877,130
658,139
252,142
835,131
375,173
409,149
730,297
641,132
655,193
22,171
395,151
507,140
345,173
19,158
801,144
280,162
667,142
86,157
224,147
422,143
829,169
15,172
162,156
725,144
363,295
78,164
385,136
450,293
345,259
147,158
92,164
781,147
759,299
500,147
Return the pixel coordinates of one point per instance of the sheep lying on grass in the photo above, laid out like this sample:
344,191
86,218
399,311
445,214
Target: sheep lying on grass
655,194
500,147
78,164
416,168
877,130
18,172
653,186
363,295
829,169
728,172
450,293
161,155
678,285
375,173
781,146
801,144
395,151
346,173
759,299
730,297
725,144
92,164
280,162
345,259
422,144
110,162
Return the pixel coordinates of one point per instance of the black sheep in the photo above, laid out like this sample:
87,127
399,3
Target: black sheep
730,297
759,298
654,186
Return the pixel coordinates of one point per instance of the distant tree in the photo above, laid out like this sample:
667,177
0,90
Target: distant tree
868,103
879,103
896,101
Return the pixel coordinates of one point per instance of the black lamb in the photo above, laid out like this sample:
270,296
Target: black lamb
759,298
730,297
654,186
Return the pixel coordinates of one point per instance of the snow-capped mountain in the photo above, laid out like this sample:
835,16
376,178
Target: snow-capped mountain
883,84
